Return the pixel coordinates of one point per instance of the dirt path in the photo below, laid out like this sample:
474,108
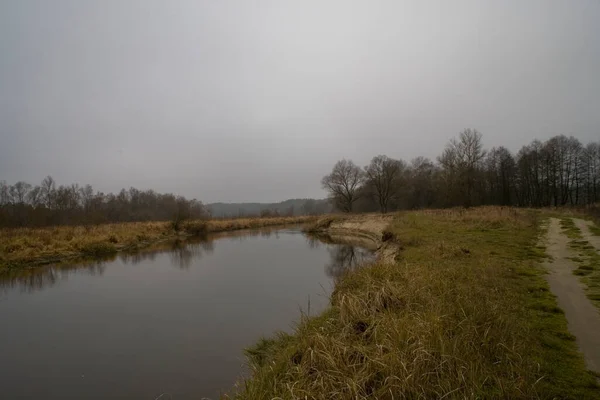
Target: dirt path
584,227
582,317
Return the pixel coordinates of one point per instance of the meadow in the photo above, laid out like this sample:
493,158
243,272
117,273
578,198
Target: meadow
462,311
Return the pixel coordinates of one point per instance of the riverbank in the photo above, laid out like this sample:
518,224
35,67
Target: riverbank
29,247
457,307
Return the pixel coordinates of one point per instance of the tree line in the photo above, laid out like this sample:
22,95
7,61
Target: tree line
288,207
47,204
23,204
558,172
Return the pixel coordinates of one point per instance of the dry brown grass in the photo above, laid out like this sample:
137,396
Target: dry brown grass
23,247
464,313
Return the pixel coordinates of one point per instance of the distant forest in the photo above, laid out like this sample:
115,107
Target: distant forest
558,172
47,204
287,207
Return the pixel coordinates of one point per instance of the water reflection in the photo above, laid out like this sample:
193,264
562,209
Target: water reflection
345,253
182,253
243,235
34,279
314,242
345,258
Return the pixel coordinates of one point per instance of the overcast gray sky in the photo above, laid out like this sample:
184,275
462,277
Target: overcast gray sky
256,100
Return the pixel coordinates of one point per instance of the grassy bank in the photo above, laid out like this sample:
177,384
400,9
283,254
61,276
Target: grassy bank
463,312
28,247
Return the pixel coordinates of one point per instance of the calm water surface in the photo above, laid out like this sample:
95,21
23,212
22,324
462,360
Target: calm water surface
173,320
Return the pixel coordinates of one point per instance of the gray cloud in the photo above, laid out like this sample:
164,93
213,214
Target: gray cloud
255,101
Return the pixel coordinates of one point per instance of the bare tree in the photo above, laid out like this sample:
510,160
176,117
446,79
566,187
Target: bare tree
575,173
591,171
383,174
86,194
34,196
19,191
422,182
463,158
343,184
450,172
500,172
48,191
4,193
530,175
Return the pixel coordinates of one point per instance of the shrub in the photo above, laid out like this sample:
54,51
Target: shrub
198,228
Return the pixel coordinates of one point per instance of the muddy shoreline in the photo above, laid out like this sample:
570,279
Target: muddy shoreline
369,231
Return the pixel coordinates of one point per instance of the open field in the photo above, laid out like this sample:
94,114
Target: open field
461,310
27,247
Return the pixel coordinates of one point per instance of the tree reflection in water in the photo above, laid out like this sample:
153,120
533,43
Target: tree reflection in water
314,242
245,234
345,258
34,279
182,254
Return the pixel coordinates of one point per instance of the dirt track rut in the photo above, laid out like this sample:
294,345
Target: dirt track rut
582,317
584,227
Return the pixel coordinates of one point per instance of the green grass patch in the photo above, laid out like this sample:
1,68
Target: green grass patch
440,323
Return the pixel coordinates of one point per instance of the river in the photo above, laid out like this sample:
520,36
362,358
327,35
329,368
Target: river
171,321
